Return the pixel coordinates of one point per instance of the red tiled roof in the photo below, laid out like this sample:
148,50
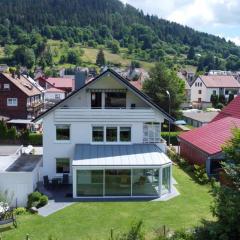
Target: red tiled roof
217,81
61,82
212,136
54,90
232,109
137,84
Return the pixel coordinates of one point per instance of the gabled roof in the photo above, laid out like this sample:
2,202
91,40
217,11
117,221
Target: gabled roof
61,82
231,110
211,137
217,81
124,81
23,84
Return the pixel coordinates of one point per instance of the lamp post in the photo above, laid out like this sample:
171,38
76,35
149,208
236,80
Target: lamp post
169,111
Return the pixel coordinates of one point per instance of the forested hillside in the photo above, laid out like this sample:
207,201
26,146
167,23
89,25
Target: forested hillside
112,24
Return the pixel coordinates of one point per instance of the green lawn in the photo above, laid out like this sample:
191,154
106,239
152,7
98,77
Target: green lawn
94,220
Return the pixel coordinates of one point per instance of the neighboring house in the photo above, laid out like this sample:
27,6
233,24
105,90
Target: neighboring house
19,98
62,83
19,174
198,119
187,101
203,145
205,86
106,137
231,110
53,96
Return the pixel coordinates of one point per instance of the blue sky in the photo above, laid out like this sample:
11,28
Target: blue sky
219,17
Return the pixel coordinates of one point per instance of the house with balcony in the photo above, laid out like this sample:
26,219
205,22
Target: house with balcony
105,138
205,86
20,98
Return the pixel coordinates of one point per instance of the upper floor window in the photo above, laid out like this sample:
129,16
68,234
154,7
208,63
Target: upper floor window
200,84
125,134
62,132
57,96
6,86
199,91
12,102
115,100
111,134
96,99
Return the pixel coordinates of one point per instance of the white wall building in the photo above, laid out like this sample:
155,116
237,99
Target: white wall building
205,86
106,138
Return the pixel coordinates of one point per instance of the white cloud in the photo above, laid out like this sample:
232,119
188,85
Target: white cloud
236,40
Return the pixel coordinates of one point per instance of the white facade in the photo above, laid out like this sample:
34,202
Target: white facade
200,93
57,96
76,112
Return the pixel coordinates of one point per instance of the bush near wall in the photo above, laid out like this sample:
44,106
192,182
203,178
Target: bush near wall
173,137
35,139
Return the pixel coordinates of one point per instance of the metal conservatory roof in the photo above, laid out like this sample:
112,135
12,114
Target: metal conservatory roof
119,155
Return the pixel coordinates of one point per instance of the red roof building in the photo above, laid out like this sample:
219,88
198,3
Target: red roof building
231,110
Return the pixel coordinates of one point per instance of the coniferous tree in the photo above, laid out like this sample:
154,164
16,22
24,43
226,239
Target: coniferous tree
100,60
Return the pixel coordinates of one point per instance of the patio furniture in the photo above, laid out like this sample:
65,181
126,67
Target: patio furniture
8,217
65,180
46,182
55,182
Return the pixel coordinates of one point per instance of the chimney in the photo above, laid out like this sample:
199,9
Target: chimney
80,79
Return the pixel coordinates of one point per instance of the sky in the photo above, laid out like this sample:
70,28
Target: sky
219,17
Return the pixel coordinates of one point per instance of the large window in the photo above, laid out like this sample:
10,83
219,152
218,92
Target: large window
145,182
96,99
12,102
89,183
118,182
62,165
115,100
111,134
125,134
166,173
62,132
98,134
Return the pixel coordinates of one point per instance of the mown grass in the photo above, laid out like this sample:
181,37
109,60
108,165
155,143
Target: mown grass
94,220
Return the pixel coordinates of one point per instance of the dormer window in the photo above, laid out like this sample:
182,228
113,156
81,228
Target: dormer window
96,100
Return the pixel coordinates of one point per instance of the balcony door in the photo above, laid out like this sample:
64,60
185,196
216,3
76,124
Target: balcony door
96,100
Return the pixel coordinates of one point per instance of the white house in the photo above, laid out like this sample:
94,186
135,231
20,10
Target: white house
106,137
205,86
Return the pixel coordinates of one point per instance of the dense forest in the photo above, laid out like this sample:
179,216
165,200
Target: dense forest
28,23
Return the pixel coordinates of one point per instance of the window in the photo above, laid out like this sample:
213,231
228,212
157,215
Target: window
214,92
62,132
195,84
199,91
199,100
6,86
226,92
111,134
12,102
62,165
57,96
200,84
125,134
98,134
96,99
115,100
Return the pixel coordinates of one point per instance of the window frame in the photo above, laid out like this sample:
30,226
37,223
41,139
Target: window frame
105,134
63,140
69,165
6,88
11,104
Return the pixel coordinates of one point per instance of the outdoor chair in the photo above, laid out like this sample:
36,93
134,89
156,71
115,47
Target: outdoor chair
65,180
46,182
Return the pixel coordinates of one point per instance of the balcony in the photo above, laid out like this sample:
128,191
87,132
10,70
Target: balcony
111,115
34,106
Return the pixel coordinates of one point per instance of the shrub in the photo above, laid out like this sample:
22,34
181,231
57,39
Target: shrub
20,211
35,139
200,174
12,133
36,199
173,137
219,106
43,201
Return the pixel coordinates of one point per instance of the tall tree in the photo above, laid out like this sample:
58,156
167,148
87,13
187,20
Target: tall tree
100,60
227,197
191,53
162,80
